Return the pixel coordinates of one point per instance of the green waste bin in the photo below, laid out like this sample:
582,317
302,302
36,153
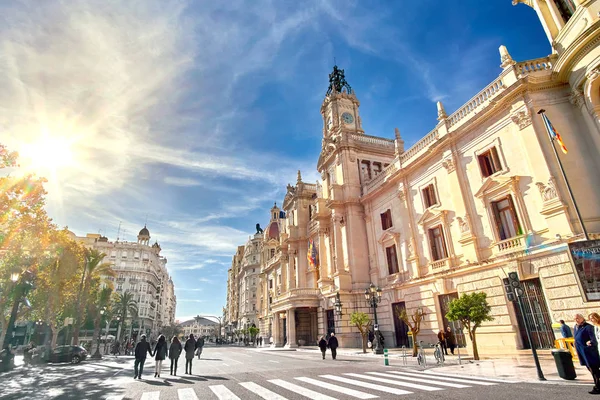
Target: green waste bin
564,364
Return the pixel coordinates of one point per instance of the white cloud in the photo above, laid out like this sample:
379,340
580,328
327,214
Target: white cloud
176,181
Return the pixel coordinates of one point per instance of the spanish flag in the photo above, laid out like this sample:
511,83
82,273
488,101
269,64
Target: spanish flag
554,135
312,254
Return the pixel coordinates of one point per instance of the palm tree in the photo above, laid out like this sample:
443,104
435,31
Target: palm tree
126,306
94,268
101,308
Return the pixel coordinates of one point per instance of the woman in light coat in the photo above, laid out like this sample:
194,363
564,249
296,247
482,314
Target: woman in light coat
595,320
190,349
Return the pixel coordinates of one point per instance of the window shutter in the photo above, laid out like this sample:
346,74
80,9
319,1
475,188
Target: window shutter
498,221
514,216
432,245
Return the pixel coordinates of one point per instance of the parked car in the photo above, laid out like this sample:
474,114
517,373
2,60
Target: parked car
72,354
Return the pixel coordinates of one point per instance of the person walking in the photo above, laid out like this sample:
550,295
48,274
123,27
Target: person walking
442,339
199,346
450,340
565,329
586,346
190,348
595,320
140,356
160,353
333,345
174,352
323,346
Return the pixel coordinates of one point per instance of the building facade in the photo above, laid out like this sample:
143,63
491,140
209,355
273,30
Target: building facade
481,195
141,270
200,327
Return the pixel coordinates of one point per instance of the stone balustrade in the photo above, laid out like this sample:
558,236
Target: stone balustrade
511,245
373,140
310,186
439,265
419,146
478,101
388,171
298,292
531,66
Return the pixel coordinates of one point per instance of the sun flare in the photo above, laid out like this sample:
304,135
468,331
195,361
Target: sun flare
47,155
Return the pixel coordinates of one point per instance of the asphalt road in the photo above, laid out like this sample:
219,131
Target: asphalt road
230,373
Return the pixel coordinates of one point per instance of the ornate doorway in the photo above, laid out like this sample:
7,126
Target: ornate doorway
400,327
537,316
456,326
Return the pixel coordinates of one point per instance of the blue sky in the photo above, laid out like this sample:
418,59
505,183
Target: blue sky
194,115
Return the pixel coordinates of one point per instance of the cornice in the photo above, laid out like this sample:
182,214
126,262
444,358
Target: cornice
576,51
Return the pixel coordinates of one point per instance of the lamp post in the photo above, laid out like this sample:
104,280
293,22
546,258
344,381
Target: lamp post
97,354
337,305
373,297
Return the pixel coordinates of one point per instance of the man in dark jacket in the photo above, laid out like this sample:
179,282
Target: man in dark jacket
587,349
140,356
323,346
565,330
333,345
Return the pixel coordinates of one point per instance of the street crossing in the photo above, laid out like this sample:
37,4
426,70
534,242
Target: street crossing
367,385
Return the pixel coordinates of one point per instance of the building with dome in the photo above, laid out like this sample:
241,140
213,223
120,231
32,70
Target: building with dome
141,270
478,197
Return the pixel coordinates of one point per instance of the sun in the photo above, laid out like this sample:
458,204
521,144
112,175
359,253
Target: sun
47,155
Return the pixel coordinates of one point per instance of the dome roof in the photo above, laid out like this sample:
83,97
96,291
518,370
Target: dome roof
144,232
272,231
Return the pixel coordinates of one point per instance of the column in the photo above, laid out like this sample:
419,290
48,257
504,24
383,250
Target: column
337,240
291,328
284,273
276,330
324,265
290,269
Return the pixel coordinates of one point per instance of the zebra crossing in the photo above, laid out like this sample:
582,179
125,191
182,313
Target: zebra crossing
366,385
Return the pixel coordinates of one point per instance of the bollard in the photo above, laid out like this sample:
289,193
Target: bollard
386,361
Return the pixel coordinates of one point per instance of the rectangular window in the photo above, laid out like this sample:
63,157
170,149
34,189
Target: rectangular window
124,254
429,196
505,216
386,219
437,243
113,254
489,162
392,259
272,253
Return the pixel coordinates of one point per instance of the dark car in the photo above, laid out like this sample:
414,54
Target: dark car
72,354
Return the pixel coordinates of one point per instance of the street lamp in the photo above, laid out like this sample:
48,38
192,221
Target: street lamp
373,297
97,354
338,305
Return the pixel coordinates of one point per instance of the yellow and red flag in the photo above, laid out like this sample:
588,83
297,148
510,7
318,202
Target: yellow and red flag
554,135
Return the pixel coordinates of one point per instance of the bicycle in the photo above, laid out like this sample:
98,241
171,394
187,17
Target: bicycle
438,353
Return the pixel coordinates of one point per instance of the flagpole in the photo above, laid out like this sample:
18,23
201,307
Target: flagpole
562,171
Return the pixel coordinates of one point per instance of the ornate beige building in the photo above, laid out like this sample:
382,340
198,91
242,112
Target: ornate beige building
141,270
477,197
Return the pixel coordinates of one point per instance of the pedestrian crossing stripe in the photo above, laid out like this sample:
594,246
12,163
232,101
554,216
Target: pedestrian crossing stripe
379,382
479,378
350,392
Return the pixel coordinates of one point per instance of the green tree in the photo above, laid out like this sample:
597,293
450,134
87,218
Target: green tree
57,281
471,310
94,271
253,331
126,306
101,308
414,324
362,321
172,330
25,231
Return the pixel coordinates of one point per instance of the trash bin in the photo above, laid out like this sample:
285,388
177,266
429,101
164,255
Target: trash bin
564,364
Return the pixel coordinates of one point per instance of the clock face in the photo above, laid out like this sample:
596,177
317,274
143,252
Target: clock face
347,117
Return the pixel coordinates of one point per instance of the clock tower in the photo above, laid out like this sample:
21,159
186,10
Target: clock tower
340,107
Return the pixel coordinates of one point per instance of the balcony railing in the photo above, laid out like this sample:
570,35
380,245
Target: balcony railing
511,245
439,265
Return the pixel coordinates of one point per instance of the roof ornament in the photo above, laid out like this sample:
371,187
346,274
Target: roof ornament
505,58
299,177
398,142
337,82
441,111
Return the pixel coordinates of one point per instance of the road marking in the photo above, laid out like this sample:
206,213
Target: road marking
443,378
223,393
150,396
408,378
300,390
187,394
397,383
261,391
235,361
474,377
350,392
273,361
366,385
115,398
227,365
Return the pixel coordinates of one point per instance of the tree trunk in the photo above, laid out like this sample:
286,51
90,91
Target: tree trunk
78,317
96,332
474,340
54,334
364,342
415,345
3,325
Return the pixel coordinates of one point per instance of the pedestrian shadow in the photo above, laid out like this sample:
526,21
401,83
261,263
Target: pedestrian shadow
182,380
157,383
195,378
210,359
213,378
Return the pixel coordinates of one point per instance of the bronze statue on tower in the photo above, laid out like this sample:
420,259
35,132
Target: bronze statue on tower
337,82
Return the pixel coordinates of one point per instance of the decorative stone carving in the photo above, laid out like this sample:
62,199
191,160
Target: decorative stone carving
521,118
526,2
449,164
548,192
593,74
576,98
463,224
441,111
352,157
505,58
409,248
